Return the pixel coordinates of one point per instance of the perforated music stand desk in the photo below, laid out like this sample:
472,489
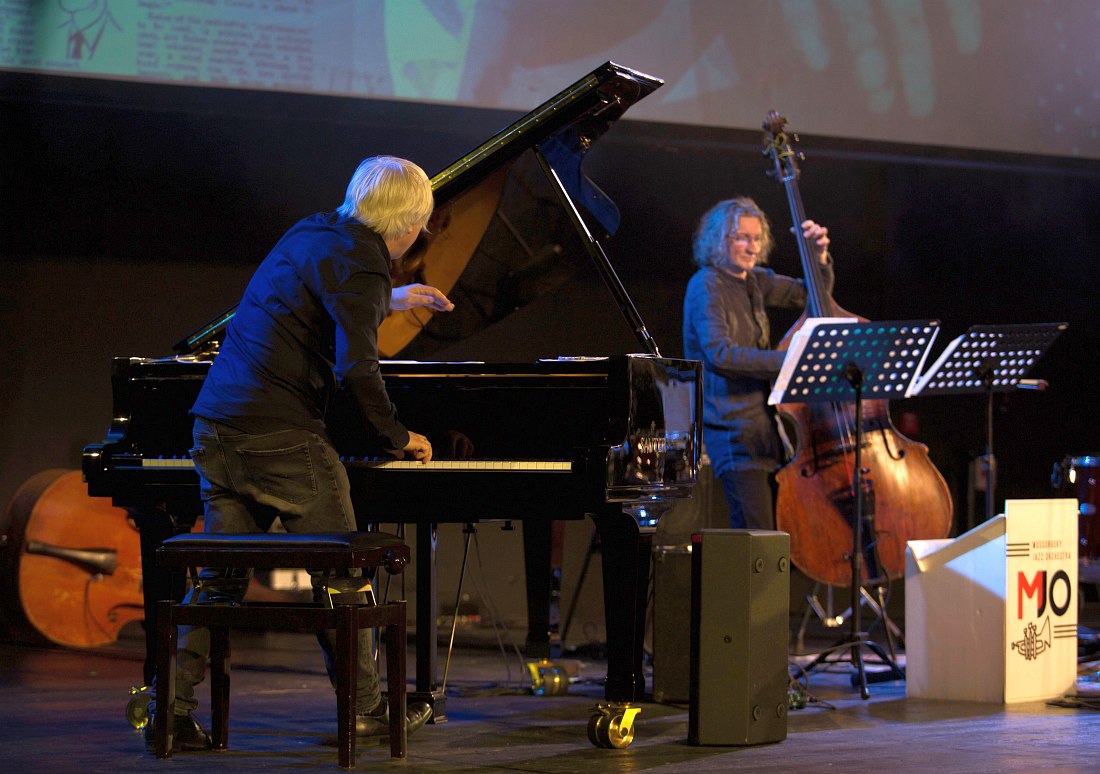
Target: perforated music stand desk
842,359
987,359
889,355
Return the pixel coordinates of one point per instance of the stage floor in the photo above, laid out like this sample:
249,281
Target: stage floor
63,710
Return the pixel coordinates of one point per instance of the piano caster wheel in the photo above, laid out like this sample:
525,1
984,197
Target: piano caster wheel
612,725
547,678
137,709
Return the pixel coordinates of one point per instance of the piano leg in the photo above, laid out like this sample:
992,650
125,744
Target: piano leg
537,535
155,525
427,612
626,554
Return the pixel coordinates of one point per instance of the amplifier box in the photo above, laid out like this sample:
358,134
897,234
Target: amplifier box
740,625
671,623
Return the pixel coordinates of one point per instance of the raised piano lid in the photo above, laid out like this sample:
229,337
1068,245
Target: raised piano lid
563,128
585,110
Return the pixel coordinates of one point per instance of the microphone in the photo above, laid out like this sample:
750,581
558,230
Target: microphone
1032,384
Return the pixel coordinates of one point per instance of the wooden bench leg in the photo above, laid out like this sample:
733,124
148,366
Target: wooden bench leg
347,669
166,679
220,660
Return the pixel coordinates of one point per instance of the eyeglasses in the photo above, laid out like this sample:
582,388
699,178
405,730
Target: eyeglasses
756,239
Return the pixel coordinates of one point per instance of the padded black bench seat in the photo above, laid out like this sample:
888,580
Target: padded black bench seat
268,550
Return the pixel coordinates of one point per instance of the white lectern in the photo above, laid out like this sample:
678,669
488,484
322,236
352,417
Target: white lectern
992,614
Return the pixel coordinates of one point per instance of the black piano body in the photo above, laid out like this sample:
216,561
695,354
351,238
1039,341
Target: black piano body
615,438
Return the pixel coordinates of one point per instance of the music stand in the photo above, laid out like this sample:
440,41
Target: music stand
834,360
989,359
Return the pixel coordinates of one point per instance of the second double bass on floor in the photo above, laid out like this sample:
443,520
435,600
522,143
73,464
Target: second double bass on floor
904,493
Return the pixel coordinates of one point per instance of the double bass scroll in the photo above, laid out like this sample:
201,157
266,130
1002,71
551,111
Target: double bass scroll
816,499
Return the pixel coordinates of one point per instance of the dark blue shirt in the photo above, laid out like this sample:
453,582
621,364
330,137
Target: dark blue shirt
726,327
307,324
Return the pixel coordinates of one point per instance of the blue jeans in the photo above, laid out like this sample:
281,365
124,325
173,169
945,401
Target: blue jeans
247,481
749,494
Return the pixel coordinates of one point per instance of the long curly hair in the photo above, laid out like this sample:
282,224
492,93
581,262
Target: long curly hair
711,242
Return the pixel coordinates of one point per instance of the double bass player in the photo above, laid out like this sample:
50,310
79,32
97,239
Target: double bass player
726,327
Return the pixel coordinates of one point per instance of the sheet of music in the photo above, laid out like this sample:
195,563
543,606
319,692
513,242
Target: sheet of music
798,344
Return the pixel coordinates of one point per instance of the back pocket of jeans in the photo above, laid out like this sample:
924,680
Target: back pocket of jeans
283,473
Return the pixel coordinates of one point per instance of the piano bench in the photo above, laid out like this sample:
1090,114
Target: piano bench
335,552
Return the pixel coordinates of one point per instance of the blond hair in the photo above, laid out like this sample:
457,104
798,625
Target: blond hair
388,194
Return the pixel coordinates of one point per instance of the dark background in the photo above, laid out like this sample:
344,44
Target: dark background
133,213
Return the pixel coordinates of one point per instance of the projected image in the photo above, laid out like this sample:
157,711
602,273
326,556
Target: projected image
86,24
1010,75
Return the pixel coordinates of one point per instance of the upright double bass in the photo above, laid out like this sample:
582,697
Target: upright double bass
74,569
904,494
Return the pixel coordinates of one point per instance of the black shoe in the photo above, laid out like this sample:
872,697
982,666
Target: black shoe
187,735
416,714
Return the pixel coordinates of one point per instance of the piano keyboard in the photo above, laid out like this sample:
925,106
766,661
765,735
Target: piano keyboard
493,466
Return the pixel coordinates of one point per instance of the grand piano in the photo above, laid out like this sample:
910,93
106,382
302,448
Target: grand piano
614,437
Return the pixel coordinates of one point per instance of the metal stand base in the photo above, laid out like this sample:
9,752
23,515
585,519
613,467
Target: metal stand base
826,614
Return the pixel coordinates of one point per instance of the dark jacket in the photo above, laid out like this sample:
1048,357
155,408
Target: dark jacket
307,324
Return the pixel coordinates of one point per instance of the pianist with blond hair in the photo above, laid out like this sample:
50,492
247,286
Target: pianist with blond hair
306,326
